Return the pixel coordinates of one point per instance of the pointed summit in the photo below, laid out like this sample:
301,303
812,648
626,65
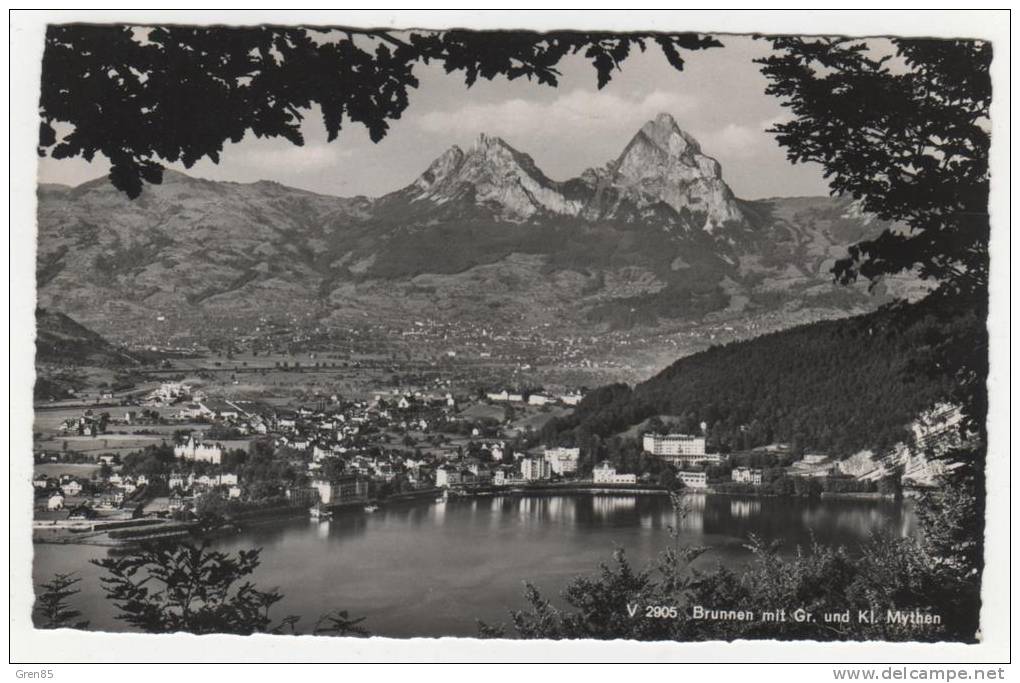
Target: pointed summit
661,177
663,164
495,176
485,141
665,134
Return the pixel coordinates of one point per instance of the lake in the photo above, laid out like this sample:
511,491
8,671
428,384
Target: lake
432,569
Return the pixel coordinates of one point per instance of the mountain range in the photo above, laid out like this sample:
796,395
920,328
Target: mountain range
652,239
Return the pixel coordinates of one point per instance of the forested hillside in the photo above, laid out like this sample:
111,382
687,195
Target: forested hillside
836,386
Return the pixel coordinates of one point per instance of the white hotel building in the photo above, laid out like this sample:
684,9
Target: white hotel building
679,449
563,460
535,469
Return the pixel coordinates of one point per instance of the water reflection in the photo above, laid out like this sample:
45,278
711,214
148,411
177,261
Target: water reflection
613,508
322,530
431,569
838,518
745,508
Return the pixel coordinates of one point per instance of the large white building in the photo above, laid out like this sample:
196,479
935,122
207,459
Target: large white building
447,476
682,450
199,451
168,392
694,480
534,469
674,444
348,488
606,474
563,460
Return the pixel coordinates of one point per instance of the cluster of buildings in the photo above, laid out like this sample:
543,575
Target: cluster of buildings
344,451
88,423
180,482
526,468
684,452
221,409
169,393
77,495
814,465
606,474
534,398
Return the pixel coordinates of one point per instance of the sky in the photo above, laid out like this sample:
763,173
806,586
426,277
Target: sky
719,98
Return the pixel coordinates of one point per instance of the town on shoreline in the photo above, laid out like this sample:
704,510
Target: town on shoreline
204,464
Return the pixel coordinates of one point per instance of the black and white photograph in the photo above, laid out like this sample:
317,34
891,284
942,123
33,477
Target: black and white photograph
348,331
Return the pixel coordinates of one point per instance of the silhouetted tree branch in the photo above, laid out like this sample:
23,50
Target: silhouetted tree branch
165,588
903,126
51,607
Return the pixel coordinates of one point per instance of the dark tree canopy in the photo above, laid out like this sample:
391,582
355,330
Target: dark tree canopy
904,128
905,131
164,589
167,587
143,96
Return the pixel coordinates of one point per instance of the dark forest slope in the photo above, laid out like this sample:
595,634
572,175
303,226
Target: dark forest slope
836,386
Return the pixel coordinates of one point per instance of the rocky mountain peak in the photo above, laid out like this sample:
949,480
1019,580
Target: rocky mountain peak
664,133
664,164
486,143
443,169
662,175
498,177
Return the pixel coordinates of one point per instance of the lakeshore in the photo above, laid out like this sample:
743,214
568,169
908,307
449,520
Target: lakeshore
421,568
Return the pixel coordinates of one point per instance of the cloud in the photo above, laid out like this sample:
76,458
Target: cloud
592,112
741,141
734,141
584,128
277,155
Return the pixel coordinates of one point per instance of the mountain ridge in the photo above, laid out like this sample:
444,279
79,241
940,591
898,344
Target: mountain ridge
654,239
660,173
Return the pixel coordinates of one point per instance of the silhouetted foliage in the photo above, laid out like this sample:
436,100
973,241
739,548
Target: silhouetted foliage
906,131
340,623
164,588
51,604
167,588
144,96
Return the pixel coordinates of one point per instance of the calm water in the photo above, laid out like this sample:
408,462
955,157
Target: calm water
424,569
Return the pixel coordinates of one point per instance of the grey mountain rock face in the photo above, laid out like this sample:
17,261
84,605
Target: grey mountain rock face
653,237
665,165
662,175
